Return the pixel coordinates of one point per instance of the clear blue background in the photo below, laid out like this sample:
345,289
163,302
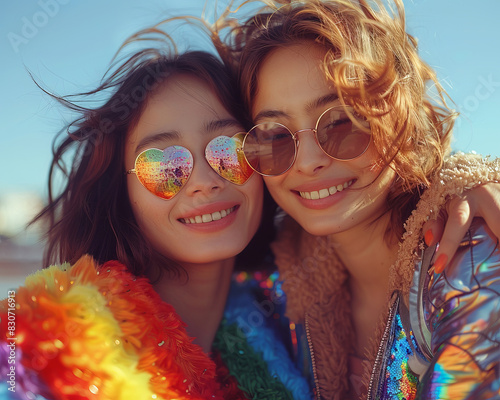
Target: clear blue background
75,41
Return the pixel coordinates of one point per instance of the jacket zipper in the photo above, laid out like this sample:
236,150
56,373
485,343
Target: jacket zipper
381,350
313,358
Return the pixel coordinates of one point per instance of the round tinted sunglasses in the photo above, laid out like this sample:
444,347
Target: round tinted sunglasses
271,148
165,172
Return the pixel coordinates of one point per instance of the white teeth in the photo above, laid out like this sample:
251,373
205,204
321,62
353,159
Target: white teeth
215,216
321,194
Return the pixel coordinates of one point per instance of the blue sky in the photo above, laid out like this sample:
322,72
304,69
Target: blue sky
68,44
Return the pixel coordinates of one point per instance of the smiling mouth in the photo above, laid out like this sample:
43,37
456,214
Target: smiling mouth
321,194
204,218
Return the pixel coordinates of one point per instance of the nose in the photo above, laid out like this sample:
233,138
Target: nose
203,180
310,157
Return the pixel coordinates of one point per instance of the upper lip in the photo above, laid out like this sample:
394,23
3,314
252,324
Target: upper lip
208,209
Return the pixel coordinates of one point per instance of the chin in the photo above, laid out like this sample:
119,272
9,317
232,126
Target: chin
317,229
213,253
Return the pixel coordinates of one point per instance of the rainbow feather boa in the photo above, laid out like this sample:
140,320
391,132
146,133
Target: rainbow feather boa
102,333
98,332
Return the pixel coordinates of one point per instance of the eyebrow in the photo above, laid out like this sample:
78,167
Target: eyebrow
313,105
159,137
269,114
322,101
219,124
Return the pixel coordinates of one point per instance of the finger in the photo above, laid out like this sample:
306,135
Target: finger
433,229
487,198
459,220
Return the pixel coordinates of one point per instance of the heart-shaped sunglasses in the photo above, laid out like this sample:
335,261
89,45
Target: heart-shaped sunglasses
165,172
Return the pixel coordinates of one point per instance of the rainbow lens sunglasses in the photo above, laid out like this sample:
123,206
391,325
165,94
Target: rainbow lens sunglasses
165,172
271,148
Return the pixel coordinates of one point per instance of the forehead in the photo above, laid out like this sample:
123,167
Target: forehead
184,104
290,76
180,99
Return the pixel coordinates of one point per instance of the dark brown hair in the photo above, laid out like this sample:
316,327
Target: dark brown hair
92,214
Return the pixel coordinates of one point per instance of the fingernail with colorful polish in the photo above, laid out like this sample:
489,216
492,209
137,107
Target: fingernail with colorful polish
428,237
440,263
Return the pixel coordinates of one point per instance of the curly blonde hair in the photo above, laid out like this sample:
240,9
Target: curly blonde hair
374,64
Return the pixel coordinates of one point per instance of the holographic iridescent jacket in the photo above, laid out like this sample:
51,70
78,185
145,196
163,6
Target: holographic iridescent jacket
440,337
447,345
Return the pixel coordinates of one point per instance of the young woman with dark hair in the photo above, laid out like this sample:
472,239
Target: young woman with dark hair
158,209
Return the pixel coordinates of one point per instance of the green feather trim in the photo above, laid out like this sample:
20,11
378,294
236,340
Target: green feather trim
247,366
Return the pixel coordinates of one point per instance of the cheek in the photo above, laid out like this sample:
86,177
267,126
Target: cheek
255,194
254,188
369,165
136,198
147,208
275,185
133,194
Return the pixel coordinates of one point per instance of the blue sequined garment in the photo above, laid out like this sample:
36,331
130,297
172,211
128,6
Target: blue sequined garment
256,306
399,381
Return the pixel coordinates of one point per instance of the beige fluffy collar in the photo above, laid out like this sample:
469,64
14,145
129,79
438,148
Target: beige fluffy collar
315,280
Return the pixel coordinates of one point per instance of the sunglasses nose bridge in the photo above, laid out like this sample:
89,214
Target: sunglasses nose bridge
296,137
310,157
304,130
